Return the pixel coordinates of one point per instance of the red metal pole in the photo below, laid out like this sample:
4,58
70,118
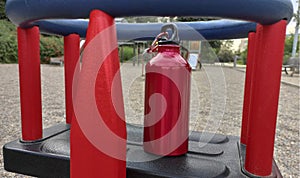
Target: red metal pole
30,83
87,160
264,99
71,55
247,88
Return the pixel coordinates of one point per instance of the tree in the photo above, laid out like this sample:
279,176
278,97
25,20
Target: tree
191,19
2,10
242,56
141,19
288,46
297,19
226,54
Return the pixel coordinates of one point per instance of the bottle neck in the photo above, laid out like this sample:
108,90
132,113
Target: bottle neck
169,48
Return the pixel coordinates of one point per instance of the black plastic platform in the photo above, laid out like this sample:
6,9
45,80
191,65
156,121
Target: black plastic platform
50,157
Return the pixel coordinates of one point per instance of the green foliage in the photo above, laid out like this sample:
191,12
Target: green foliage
50,46
191,19
216,45
2,10
226,54
127,53
240,62
7,27
288,46
242,57
8,46
8,42
141,19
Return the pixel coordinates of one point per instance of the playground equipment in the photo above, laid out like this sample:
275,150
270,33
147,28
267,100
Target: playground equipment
80,147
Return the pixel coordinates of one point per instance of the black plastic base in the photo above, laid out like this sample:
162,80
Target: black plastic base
50,157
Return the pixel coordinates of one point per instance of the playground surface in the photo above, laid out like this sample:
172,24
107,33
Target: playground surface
287,153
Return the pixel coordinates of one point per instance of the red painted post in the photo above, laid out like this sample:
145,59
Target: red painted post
87,160
247,88
30,83
264,99
71,57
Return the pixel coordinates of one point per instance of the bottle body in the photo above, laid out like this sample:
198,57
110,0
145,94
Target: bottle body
167,96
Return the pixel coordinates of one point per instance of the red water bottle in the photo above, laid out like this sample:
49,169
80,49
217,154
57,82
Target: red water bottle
167,96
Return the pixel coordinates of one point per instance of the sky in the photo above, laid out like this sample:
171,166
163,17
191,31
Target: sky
295,3
291,25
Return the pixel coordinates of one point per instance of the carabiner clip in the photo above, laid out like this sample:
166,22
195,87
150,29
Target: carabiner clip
155,41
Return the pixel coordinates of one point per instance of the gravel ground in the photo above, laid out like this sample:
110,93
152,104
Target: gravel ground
212,88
